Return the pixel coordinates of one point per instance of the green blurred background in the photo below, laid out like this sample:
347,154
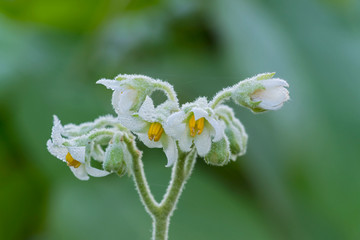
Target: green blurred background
300,176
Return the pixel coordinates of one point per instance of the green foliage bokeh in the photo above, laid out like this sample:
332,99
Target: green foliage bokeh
300,176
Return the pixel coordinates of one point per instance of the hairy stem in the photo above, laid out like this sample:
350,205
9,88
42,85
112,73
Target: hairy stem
160,228
167,89
141,183
161,213
221,96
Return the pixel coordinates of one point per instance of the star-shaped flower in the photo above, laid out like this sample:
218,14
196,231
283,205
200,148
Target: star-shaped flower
148,123
124,96
75,156
196,122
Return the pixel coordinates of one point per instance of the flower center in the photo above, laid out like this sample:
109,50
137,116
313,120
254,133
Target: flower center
196,127
155,131
71,162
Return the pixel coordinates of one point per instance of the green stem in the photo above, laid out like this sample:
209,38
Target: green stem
161,213
168,89
176,184
221,96
160,228
141,183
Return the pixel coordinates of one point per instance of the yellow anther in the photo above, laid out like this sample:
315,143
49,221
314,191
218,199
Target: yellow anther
155,131
200,125
192,126
71,162
196,127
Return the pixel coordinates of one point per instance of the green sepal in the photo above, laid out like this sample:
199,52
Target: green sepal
117,156
234,131
219,154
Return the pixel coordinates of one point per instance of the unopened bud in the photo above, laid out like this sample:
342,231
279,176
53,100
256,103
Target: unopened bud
219,154
117,157
261,93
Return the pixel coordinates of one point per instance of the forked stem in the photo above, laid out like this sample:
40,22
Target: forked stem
161,213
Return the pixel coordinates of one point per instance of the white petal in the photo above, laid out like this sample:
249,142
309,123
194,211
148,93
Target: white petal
203,142
218,128
135,124
185,141
97,152
78,153
271,98
170,149
110,84
58,151
95,172
151,144
80,172
174,125
56,132
199,113
274,82
123,100
147,110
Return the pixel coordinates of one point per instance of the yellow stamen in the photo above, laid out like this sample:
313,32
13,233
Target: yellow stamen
192,126
71,162
200,125
196,127
158,135
150,131
155,131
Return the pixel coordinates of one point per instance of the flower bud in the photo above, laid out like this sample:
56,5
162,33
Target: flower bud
117,157
130,91
261,93
234,131
237,138
219,153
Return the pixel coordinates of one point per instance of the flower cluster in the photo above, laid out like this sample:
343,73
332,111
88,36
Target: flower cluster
82,147
210,127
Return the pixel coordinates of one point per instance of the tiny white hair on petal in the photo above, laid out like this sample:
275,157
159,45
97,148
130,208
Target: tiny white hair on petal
274,82
123,100
199,113
170,149
271,98
57,151
77,153
109,84
185,141
174,125
147,110
218,128
95,172
80,172
133,123
203,142
150,144
56,132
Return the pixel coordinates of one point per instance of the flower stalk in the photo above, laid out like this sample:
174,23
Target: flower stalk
201,128
161,212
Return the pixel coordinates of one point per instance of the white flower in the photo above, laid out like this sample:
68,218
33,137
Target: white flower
130,91
261,92
196,123
74,156
124,96
147,124
273,95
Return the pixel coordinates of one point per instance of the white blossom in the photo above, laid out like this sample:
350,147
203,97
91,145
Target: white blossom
195,123
124,96
261,92
273,95
74,156
148,123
